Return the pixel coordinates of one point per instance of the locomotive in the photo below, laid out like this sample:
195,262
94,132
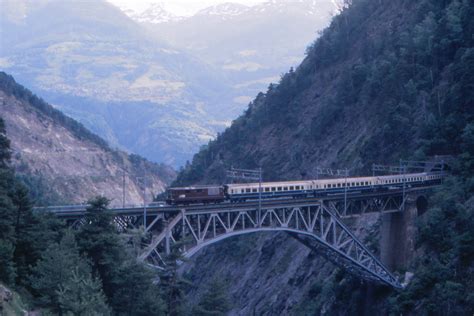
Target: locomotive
240,192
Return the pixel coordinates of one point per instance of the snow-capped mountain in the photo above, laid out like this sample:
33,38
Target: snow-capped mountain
155,14
152,12
225,10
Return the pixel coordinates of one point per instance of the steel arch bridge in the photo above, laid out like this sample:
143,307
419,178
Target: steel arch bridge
320,220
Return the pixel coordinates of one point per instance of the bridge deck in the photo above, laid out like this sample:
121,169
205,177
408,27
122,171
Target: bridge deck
77,211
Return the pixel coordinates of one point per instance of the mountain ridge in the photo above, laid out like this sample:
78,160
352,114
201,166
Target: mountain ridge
55,153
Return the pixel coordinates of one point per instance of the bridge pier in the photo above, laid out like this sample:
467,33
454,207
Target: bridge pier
397,237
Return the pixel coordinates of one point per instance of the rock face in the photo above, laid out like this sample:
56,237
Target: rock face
70,160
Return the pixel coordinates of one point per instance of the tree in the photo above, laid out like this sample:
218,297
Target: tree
137,292
128,285
63,282
173,285
82,295
99,241
5,152
7,272
215,300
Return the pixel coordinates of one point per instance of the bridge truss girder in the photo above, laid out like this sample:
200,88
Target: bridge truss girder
318,221
358,206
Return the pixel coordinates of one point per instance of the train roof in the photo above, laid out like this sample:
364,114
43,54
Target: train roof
193,187
327,180
251,184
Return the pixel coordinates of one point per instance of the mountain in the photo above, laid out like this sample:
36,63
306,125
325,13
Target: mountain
161,90
387,80
224,11
347,107
155,13
250,45
63,162
97,65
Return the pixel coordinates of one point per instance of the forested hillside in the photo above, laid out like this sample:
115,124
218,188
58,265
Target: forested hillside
387,80
58,271
63,162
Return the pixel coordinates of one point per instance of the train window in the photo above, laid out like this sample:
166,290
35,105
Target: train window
292,188
338,185
273,188
285,188
254,190
247,190
279,189
267,189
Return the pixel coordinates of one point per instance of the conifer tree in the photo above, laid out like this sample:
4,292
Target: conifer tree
82,295
63,281
99,241
7,234
173,284
215,300
128,285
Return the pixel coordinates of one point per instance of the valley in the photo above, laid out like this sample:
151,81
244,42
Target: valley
154,100
113,72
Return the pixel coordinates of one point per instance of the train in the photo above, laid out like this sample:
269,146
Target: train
241,192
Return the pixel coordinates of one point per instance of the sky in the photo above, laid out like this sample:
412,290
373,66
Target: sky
178,7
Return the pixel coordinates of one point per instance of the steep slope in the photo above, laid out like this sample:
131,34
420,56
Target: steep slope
72,164
387,80
372,89
97,65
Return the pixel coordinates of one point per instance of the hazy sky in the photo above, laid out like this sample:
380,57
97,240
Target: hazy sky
178,7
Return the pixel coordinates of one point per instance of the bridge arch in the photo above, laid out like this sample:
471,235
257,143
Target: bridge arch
194,230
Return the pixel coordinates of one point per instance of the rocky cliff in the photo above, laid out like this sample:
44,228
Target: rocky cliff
72,164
